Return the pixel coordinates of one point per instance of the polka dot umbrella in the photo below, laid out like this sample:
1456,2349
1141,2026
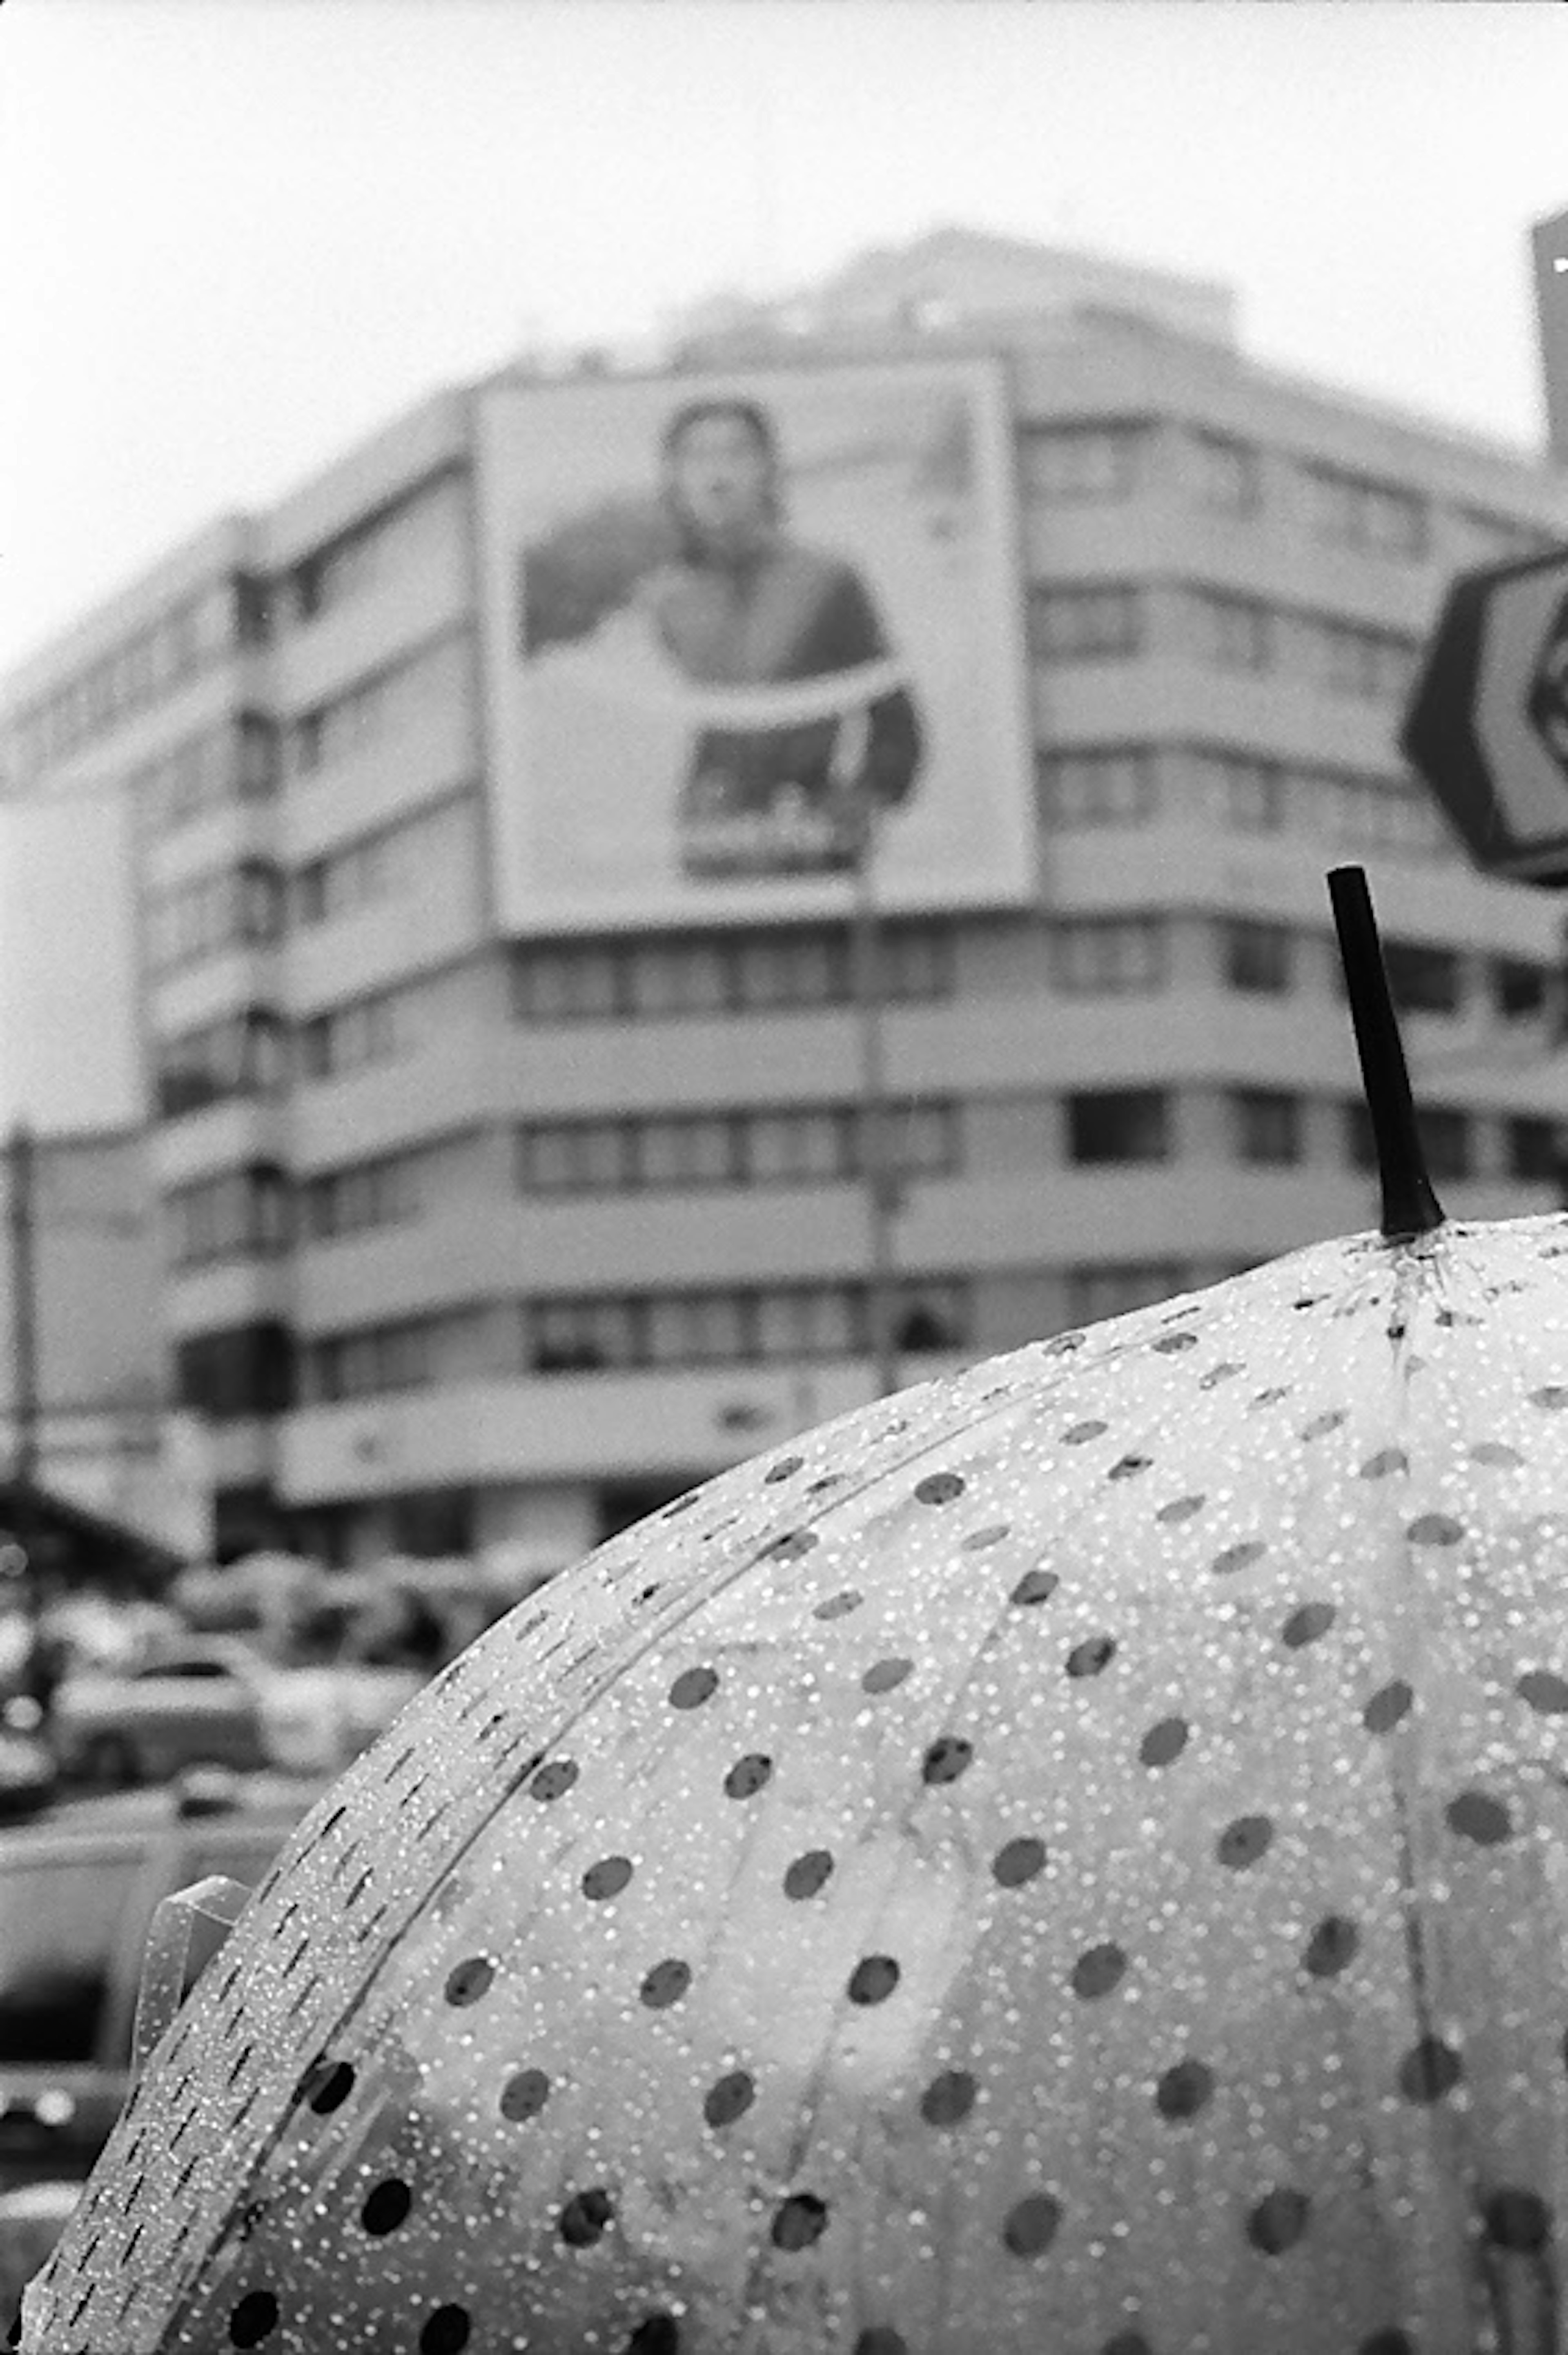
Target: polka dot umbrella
1073,1858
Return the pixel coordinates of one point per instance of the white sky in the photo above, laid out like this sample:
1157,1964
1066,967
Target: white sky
239,233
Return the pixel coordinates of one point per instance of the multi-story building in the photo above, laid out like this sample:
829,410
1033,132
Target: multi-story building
485,1228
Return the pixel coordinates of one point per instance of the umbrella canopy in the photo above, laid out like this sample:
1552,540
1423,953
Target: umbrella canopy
1074,1857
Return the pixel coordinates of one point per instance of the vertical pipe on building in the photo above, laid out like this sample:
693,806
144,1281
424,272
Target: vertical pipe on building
21,1175
878,1179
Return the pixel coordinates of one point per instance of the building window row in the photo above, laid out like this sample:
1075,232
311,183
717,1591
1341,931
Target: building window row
1130,784
236,761
403,1354
808,966
1267,1127
236,1214
364,1196
1357,511
1108,621
239,1369
801,1145
1099,459
243,1054
149,663
1080,458
744,1326
232,907
375,868
375,709
378,1029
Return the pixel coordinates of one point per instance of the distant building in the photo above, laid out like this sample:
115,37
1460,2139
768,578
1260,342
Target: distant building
488,1224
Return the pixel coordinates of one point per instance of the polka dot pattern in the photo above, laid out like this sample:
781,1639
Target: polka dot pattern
963,1874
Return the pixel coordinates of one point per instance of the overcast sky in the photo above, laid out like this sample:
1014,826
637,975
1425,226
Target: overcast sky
239,233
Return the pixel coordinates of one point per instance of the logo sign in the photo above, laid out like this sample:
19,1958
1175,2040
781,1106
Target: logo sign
1488,724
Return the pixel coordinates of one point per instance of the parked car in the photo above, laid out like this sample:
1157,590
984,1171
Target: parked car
221,1703
193,1704
78,1890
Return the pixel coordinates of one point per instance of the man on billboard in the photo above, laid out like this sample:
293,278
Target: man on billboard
782,780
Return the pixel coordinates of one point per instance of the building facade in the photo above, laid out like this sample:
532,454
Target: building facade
477,1236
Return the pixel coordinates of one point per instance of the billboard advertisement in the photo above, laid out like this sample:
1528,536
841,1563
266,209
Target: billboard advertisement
727,619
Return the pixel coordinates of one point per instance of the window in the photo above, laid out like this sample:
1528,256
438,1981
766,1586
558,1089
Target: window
1093,1293
1229,474
923,1137
63,1928
574,1156
799,1147
1111,788
1535,1151
372,711
357,876
815,1321
1348,659
698,1328
143,669
1086,624
243,1055
1519,989
230,907
1257,957
1118,1125
241,1370
236,1214
740,1326
1380,517
1097,461
365,1031
1267,1125
755,971
1421,980
1235,633
1446,1137
567,984
366,1195
399,536
1095,954
400,1356
792,969
1242,793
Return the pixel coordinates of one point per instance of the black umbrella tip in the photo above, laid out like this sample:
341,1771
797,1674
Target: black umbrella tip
1410,1206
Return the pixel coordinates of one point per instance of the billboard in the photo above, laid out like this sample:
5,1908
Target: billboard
724,617
70,1051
